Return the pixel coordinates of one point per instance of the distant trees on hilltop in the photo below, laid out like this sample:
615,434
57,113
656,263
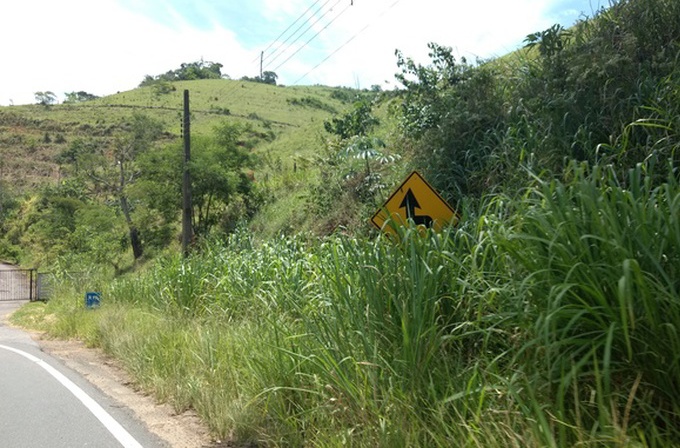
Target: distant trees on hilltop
187,72
46,98
266,78
49,98
199,70
78,97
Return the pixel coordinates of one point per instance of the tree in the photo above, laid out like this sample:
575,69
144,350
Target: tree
269,77
163,87
143,132
8,204
97,233
78,97
46,222
218,176
359,121
188,71
450,113
74,153
45,98
111,170
7,198
266,78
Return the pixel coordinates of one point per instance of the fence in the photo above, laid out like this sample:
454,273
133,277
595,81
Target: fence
24,284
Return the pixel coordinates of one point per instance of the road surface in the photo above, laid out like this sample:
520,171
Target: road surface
45,404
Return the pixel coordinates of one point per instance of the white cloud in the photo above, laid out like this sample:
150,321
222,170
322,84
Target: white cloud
483,28
275,10
102,47
97,47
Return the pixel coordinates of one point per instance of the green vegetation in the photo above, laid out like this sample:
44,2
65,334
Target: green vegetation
186,72
279,138
357,122
547,317
532,324
45,98
266,78
312,102
78,97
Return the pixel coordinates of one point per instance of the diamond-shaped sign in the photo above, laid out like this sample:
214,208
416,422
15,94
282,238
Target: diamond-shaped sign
416,200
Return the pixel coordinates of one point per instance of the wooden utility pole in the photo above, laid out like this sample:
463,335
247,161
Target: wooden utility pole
2,165
186,180
261,61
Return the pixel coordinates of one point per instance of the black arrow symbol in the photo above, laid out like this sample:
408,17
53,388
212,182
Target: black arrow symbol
410,203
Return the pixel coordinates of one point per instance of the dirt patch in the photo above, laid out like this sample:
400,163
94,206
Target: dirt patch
179,431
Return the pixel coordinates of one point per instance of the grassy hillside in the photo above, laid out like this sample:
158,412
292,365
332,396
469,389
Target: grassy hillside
286,124
31,137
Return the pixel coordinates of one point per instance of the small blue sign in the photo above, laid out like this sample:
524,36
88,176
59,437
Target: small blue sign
92,299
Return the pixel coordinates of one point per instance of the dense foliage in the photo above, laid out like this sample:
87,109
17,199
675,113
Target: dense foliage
550,320
78,97
548,317
267,77
122,194
188,71
604,91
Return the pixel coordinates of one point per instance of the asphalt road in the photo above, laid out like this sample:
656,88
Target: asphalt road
45,404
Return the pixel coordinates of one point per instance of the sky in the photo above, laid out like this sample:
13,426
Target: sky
108,46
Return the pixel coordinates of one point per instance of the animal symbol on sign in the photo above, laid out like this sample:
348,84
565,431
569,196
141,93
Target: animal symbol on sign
410,203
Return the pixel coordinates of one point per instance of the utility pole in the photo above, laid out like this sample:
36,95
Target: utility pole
261,61
2,186
2,165
186,180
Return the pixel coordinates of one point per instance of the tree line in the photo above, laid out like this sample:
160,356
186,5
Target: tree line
191,71
123,193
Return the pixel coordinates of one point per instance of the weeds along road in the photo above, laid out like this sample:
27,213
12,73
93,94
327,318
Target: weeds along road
45,404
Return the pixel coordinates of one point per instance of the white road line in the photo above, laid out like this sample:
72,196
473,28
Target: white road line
104,417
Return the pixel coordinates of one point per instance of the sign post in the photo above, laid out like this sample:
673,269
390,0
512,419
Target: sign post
417,201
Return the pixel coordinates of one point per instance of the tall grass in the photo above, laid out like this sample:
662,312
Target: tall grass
603,255
549,319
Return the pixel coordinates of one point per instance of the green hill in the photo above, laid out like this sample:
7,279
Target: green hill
284,127
32,137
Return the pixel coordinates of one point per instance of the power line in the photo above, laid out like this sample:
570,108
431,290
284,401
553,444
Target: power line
318,19
368,25
314,36
307,21
290,26
303,33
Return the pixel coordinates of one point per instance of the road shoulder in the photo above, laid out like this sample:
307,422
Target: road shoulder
178,430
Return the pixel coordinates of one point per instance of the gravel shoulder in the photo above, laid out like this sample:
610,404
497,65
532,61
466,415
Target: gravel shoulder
178,430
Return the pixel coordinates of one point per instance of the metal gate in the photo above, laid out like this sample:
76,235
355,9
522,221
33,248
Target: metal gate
18,284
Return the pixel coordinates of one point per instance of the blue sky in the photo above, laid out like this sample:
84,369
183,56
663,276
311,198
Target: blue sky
105,46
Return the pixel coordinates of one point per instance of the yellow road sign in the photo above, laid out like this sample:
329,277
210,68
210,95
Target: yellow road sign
416,200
